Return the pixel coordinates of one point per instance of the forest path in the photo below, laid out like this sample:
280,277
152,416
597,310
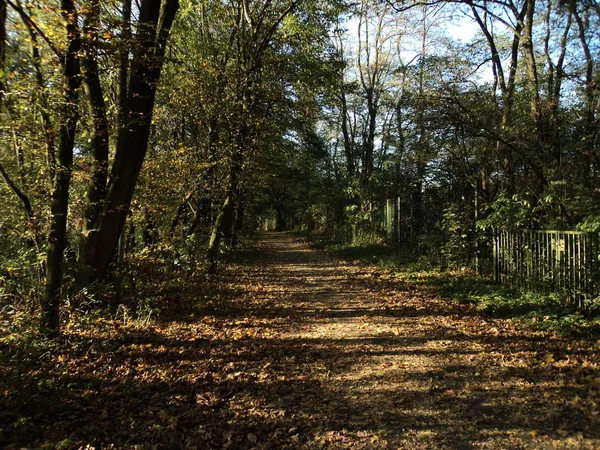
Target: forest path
292,348
353,358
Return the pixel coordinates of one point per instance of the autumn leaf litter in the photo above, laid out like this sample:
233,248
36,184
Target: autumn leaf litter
300,350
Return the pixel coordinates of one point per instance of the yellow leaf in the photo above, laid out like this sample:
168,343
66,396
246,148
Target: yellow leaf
548,358
61,358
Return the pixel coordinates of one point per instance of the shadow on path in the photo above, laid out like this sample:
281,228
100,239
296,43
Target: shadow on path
299,350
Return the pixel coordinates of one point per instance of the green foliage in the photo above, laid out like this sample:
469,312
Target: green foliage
20,272
459,246
143,314
366,253
245,97
509,213
547,311
590,224
361,220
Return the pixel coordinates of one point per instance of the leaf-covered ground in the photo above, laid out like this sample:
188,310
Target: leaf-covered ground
299,350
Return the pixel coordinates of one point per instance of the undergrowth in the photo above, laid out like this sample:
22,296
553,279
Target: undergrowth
541,309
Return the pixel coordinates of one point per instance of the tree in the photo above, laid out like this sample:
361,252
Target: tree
148,51
67,129
75,47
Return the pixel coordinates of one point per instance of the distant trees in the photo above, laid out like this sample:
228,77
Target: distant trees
255,69
460,125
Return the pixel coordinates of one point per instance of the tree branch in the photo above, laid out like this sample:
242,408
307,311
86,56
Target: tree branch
27,19
18,192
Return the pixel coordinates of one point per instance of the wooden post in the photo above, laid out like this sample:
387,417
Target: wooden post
495,255
475,220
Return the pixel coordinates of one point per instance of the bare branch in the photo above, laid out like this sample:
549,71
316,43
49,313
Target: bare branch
18,192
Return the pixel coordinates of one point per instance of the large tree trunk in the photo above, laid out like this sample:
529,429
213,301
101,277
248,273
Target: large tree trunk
146,65
57,236
97,188
590,127
506,82
348,143
124,52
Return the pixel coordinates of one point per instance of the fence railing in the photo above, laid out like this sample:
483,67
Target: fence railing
564,261
561,260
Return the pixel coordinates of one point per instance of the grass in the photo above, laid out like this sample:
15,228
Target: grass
539,309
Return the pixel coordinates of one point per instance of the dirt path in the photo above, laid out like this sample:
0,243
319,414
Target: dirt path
357,359
295,349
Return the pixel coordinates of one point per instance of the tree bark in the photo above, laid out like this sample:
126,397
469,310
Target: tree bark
3,16
97,187
57,236
532,74
224,220
552,129
124,52
146,65
591,93
506,82
23,197
348,142
238,222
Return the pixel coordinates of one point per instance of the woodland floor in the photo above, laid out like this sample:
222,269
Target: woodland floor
300,350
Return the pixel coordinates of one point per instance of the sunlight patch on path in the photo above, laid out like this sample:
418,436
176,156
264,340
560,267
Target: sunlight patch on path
382,365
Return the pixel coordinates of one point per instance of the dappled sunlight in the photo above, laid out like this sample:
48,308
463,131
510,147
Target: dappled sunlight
313,354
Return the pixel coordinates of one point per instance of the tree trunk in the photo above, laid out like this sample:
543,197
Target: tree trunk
238,224
224,220
222,223
97,188
57,236
348,143
507,87
124,53
369,142
591,93
532,74
146,65
3,11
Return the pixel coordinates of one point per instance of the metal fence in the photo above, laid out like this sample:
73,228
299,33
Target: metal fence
560,260
564,261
